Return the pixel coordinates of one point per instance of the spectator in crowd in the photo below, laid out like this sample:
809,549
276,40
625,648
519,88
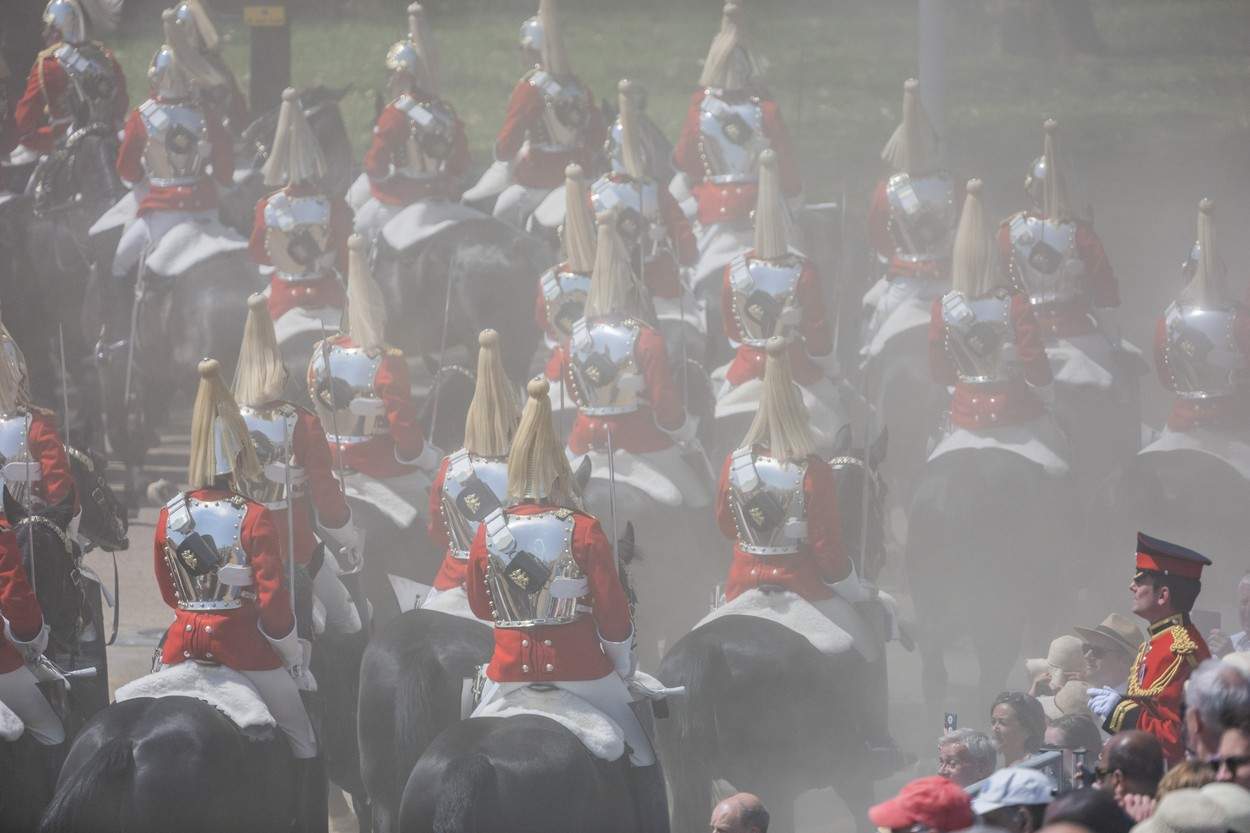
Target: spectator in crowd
740,813
1093,810
1186,811
1187,775
1109,649
1232,759
1074,731
1221,643
934,803
966,756
1014,799
1235,802
1072,699
1129,768
1017,724
1217,697
1064,662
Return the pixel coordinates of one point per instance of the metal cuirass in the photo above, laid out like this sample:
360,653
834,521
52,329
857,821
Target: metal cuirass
731,138
344,394
431,137
770,510
1201,352
20,470
532,577
761,290
297,235
566,113
202,537
564,296
980,338
604,366
91,95
923,215
1045,260
273,434
177,147
638,202
473,488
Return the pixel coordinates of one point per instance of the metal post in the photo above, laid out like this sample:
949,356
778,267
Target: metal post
932,59
270,53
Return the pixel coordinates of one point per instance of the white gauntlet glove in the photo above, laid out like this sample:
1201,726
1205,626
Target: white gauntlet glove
1102,701
32,650
621,654
349,541
295,654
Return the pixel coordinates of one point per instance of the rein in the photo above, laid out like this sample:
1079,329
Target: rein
46,523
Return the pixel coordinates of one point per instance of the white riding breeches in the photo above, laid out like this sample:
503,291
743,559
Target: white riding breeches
517,203
19,690
341,614
281,696
607,694
146,231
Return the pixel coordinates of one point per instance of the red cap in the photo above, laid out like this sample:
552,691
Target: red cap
937,803
1159,556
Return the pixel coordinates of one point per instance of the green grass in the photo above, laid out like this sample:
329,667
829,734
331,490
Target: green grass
1175,65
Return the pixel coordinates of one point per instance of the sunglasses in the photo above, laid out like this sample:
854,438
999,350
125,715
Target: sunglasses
1093,651
1232,763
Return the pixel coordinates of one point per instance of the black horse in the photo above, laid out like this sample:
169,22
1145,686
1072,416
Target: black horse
798,714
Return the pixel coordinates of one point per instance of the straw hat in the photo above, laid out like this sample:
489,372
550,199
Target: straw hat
1117,632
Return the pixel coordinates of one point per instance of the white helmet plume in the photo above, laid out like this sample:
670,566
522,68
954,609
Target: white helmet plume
421,37
366,308
729,65
537,466
771,213
260,376
555,58
974,270
1055,202
913,146
494,412
1206,288
579,222
614,289
220,442
782,424
296,156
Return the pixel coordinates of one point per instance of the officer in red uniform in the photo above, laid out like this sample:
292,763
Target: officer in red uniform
75,82
544,572
562,289
1164,590
294,453
26,637
300,231
227,97
472,481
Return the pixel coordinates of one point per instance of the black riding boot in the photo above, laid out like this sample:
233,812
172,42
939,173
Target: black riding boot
646,783
312,812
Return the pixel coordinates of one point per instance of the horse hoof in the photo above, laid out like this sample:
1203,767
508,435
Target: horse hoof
160,491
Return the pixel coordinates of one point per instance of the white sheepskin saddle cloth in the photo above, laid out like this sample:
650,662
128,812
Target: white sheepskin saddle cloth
902,304
118,216
223,688
1088,360
1232,449
299,321
11,726
453,602
833,628
1039,441
719,243
399,498
189,244
600,734
424,219
662,475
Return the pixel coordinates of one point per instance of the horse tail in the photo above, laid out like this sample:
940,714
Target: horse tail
420,678
688,738
468,796
96,796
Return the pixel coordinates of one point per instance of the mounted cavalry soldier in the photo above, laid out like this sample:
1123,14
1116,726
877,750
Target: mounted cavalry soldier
226,99
552,122
419,150
296,473
300,232
472,481
544,573
76,83
628,401
773,290
658,235
1057,260
985,341
220,565
730,122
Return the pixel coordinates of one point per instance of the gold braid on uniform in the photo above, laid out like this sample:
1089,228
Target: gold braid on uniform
1183,650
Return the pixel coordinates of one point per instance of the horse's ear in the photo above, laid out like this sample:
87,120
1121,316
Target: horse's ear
582,475
876,454
842,441
14,512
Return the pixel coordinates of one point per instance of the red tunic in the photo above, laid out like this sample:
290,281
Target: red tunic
539,168
748,362
325,290
18,604
452,572
390,139
557,652
56,478
322,490
231,637
42,117
377,456
1103,290
991,405
202,196
659,408
662,273
1156,684
733,201
821,560
883,242
1212,412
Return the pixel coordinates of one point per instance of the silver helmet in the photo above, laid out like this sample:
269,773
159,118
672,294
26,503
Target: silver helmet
404,57
165,78
66,19
531,36
1035,182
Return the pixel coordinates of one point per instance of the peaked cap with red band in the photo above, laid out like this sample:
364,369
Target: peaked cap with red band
1157,556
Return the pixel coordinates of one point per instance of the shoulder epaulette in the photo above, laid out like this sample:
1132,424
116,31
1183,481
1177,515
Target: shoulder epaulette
1182,642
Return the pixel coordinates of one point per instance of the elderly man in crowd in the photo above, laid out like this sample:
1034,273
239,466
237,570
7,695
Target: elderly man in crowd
966,756
1109,649
740,813
1014,799
1221,643
1218,696
1129,768
934,803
